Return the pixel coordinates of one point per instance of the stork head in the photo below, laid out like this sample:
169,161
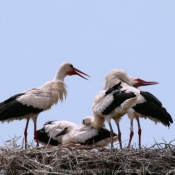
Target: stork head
69,69
117,75
95,122
87,120
114,77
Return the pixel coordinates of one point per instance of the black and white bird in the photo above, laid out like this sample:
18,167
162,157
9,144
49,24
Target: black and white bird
146,105
65,132
30,103
53,132
112,104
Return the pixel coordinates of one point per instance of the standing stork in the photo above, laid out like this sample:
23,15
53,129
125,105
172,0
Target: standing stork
65,132
33,101
146,106
112,104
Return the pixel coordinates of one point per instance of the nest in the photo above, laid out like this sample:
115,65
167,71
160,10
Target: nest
83,160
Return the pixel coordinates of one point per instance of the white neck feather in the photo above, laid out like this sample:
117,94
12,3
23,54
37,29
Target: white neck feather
98,121
61,74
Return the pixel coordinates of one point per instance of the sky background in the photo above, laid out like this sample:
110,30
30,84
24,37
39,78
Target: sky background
96,37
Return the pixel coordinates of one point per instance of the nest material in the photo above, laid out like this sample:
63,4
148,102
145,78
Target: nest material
83,160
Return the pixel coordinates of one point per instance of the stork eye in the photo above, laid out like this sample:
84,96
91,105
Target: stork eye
65,128
71,66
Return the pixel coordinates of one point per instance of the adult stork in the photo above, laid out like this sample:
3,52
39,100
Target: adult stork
65,132
33,101
146,105
112,104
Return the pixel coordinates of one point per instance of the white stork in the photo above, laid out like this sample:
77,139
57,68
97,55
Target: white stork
146,106
53,132
64,132
33,101
112,104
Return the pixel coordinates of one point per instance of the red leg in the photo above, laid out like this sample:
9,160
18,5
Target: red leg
25,133
35,133
139,132
131,133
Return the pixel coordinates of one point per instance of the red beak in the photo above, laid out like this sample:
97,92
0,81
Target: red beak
75,71
141,82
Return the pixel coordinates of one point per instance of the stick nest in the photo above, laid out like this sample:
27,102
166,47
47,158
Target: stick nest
83,160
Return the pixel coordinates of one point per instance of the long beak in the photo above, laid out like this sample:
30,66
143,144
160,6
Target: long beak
77,72
141,82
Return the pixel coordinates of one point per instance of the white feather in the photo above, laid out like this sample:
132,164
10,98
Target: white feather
45,96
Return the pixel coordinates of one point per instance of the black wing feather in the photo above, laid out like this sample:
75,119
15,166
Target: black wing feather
12,108
150,98
155,111
119,97
115,87
102,134
44,138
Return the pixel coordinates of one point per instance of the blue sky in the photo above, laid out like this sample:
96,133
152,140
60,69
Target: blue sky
96,37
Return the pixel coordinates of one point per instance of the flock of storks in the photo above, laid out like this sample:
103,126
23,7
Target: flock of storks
119,96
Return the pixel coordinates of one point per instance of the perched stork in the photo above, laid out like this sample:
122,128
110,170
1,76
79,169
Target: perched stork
64,132
146,106
112,104
33,101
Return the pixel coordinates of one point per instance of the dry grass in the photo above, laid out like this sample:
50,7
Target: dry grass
76,160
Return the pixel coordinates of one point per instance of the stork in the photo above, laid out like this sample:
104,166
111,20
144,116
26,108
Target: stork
146,106
86,134
53,131
112,104
65,132
30,103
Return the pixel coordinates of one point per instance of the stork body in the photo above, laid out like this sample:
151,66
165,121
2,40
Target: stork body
86,134
112,104
64,132
32,102
53,132
146,105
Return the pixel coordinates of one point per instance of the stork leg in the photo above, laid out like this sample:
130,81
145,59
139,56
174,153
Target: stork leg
35,131
131,133
139,131
111,135
25,133
119,133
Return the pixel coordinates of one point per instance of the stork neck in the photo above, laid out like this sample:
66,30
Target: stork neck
60,75
98,121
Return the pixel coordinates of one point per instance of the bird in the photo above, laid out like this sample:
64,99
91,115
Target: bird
56,133
53,131
146,105
86,134
109,104
30,103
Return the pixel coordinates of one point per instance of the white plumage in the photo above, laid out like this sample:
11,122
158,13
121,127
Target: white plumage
30,103
146,105
64,132
112,104
54,131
